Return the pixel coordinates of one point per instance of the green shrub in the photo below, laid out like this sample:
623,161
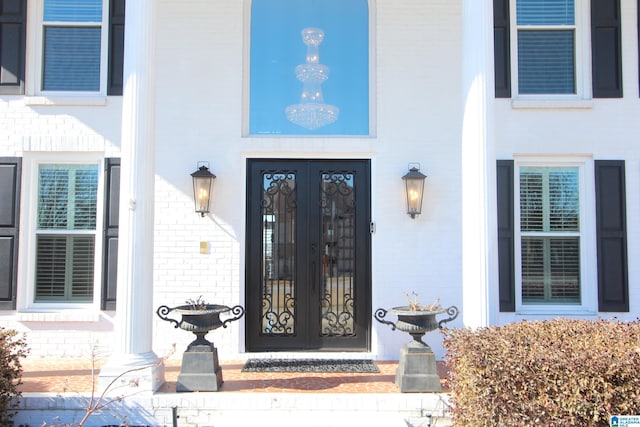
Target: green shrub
12,349
549,373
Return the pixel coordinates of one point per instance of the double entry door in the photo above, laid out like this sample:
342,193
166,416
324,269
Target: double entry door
308,259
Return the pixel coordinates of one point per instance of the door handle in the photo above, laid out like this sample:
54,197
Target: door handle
313,266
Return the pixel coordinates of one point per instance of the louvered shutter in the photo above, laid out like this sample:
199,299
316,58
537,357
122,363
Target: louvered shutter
506,261
611,229
116,47
110,239
501,49
13,24
606,49
10,175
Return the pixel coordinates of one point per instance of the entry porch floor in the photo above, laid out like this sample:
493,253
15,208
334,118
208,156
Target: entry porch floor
245,399
74,375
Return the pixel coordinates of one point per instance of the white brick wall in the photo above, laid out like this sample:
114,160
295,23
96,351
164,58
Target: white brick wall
417,96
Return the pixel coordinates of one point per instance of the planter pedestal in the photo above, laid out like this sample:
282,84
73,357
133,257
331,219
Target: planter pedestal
200,369
417,369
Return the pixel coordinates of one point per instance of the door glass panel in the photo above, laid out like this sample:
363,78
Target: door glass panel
278,253
338,254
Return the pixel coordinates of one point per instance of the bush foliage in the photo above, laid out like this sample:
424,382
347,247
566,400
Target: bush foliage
549,373
12,349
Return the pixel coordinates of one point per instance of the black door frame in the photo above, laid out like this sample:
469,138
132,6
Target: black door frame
307,336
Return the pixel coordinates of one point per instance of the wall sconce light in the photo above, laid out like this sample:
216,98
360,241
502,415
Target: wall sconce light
202,188
414,187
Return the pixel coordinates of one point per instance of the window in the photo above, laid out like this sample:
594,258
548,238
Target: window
554,236
68,240
72,45
562,236
309,68
80,45
546,34
557,49
550,234
66,232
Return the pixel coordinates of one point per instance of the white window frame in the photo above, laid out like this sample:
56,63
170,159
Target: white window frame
35,58
27,251
582,47
588,250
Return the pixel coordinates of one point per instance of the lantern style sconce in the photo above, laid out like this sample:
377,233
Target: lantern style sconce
414,187
202,188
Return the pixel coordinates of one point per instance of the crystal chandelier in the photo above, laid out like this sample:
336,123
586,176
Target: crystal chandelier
312,113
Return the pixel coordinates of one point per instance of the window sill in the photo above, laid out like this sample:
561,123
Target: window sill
53,101
555,311
557,104
59,316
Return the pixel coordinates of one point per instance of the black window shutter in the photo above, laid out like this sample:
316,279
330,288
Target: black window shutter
606,49
111,222
13,25
116,47
10,174
506,231
501,49
611,229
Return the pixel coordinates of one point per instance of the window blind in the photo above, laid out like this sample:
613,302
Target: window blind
550,269
72,58
67,197
564,266
73,10
82,267
549,199
531,210
546,62
564,204
53,198
65,265
51,267
533,277
545,12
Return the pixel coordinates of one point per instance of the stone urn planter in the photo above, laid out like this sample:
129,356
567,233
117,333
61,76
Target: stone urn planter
417,364
200,369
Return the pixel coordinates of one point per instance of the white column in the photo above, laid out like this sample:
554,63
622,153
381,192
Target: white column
134,313
478,162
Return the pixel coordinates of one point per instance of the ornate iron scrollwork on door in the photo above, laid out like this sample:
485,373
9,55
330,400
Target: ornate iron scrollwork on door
338,245
278,248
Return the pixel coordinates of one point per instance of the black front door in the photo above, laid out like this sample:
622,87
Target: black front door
308,270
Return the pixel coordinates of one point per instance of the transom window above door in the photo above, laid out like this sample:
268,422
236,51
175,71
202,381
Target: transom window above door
309,71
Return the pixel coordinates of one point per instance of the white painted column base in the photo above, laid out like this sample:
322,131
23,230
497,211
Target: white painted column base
131,374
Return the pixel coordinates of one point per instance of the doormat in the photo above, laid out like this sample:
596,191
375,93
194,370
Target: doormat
311,365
